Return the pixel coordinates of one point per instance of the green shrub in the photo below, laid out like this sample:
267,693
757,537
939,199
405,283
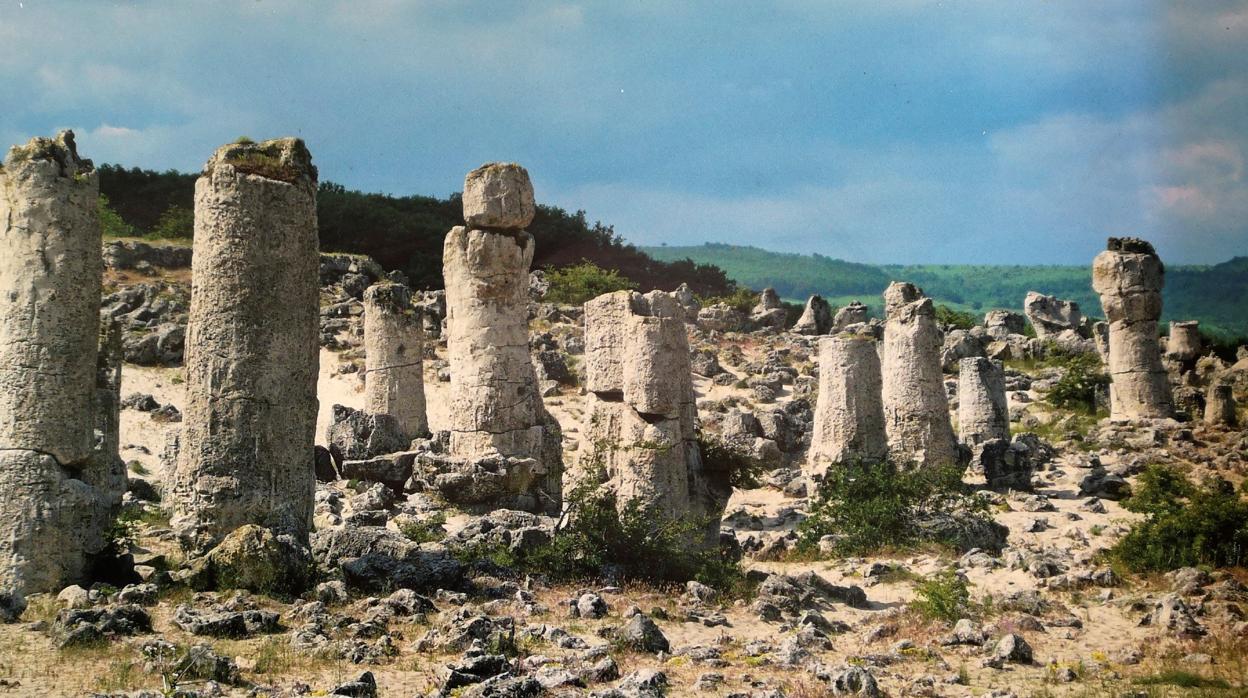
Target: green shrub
739,470
176,223
1079,385
943,596
111,223
576,284
741,299
874,505
956,318
428,530
1185,524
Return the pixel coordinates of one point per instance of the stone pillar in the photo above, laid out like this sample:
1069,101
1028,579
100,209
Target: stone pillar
496,409
52,513
816,317
1220,406
246,448
1129,276
394,382
849,415
1184,341
916,411
983,414
851,314
641,416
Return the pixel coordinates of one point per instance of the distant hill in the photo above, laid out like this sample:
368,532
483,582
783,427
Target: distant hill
1216,295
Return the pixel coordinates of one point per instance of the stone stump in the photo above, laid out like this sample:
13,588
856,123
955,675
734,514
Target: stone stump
849,414
916,411
816,317
851,314
1220,406
1184,343
983,413
394,382
496,408
1051,316
58,488
1129,277
246,450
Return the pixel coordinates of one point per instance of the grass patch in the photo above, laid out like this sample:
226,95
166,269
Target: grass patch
1180,678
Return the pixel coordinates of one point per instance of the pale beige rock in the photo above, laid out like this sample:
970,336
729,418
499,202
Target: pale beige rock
251,347
394,382
1051,316
983,414
1184,342
916,412
816,317
499,195
1220,406
849,415
851,314
1129,277
58,489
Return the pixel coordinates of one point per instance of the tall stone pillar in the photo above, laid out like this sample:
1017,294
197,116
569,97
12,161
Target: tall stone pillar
496,408
641,415
394,382
251,347
57,490
849,415
1129,277
916,411
983,414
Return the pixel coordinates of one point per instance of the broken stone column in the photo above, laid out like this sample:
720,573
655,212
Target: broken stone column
983,414
849,415
641,417
246,449
770,312
851,314
59,485
1220,406
496,409
1051,316
394,381
916,411
1129,277
1184,344
816,317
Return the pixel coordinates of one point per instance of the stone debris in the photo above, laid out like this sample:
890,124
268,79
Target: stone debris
251,353
1129,276
916,411
849,416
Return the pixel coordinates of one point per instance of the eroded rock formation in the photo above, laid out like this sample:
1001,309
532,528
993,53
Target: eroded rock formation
916,411
58,488
983,414
1129,277
1184,343
851,314
394,382
1051,316
496,409
246,449
816,317
849,415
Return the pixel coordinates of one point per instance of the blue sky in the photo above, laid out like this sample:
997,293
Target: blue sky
906,132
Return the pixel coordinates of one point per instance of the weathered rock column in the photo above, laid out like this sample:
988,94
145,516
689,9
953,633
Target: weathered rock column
1220,405
496,409
916,412
394,381
983,414
816,317
246,448
641,416
57,492
849,415
851,314
1129,276
1184,344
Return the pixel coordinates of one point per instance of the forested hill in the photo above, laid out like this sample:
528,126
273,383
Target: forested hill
400,232
1216,295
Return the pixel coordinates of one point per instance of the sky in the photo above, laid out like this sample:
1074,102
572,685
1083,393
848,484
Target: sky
886,132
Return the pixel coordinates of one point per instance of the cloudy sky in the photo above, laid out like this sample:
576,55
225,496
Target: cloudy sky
900,131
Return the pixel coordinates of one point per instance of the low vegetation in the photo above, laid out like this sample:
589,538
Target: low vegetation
1083,380
578,283
944,596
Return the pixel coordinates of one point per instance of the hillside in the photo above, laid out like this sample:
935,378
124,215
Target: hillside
405,232
1215,295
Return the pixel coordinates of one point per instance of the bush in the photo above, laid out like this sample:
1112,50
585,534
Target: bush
1185,525
954,318
1079,385
874,505
943,596
741,299
578,283
428,530
176,223
739,470
111,223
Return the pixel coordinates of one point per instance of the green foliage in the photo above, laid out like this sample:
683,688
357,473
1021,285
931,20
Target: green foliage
1182,679
429,530
872,505
176,223
111,224
741,299
793,276
1186,524
738,470
943,596
244,140
956,318
576,284
1079,385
